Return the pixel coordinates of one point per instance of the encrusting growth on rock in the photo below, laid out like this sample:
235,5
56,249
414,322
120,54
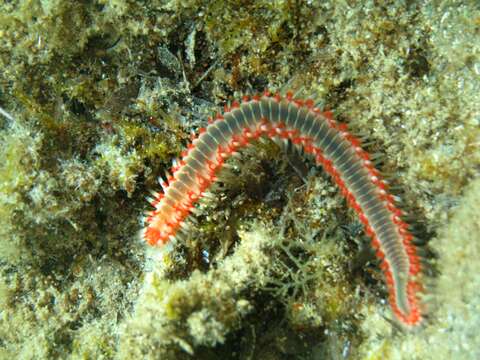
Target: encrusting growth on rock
284,119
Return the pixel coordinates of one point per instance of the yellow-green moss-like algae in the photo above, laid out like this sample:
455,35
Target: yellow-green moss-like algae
104,94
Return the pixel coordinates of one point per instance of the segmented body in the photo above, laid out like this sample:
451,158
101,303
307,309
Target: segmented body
333,147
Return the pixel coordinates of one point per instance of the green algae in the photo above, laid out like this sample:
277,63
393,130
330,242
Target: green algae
18,158
104,94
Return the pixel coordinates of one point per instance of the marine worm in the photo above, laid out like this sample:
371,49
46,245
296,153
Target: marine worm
333,147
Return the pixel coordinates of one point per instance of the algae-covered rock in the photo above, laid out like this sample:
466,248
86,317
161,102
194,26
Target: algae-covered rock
98,97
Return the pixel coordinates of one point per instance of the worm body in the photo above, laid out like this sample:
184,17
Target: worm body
332,147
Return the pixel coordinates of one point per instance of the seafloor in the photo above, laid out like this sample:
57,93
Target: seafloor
102,95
